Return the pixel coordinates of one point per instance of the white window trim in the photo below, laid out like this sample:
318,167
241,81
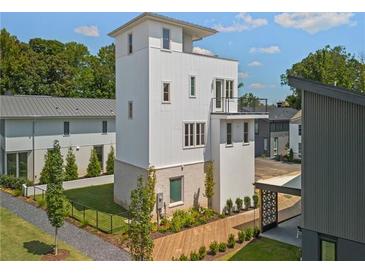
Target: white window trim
178,203
189,88
194,135
162,48
162,92
225,87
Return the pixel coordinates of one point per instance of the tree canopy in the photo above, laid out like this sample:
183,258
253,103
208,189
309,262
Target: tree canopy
334,66
50,67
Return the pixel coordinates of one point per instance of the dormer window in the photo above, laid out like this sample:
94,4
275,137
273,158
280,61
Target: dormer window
130,43
165,38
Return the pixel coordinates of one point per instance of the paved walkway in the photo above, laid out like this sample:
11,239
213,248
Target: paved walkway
192,239
89,244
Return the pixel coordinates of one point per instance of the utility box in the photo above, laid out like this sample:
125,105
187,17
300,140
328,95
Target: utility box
159,202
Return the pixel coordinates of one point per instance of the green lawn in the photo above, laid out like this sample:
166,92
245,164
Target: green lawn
22,241
98,198
264,249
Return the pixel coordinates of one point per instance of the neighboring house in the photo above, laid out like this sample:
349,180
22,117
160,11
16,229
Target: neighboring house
272,134
177,110
29,125
333,173
295,134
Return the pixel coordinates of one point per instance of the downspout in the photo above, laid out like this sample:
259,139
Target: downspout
33,152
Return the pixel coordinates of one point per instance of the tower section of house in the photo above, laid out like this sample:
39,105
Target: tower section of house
333,173
174,109
295,134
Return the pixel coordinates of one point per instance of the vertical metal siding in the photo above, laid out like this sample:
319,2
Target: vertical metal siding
334,169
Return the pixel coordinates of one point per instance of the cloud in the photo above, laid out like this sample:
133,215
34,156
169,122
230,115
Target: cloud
312,22
255,64
91,31
260,86
202,51
267,50
243,21
242,75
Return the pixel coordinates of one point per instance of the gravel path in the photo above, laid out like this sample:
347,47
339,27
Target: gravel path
89,244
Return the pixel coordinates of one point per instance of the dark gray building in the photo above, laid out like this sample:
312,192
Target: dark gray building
333,172
272,135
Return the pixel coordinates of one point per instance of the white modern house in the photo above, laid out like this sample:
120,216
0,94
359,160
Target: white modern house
30,124
295,134
177,110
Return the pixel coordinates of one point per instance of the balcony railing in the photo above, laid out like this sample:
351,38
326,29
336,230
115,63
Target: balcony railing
239,105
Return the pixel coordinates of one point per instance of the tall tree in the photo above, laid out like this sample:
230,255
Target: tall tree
56,203
334,66
110,162
140,227
209,183
93,169
71,166
248,100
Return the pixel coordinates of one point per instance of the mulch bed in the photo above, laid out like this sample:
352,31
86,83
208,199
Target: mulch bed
61,256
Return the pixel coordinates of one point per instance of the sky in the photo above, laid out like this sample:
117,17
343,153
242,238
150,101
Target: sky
265,44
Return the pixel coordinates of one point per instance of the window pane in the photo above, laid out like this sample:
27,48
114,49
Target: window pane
130,43
11,164
105,127
202,142
166,38
130,110
175,190
23,164
99,153
245,132
229,133
66,128
191,134
192,86
328,250
166,92
186,133
197,134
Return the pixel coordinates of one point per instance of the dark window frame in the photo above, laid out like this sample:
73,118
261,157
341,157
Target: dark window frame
300,130
246,130
229,134
104,127
130,43
66,128
166,44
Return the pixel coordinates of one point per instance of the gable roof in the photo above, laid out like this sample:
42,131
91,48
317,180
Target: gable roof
297,116
28,106
198,31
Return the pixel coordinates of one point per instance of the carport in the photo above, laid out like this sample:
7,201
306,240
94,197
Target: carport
269,189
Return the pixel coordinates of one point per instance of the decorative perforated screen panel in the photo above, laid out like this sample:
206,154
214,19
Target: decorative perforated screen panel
269,209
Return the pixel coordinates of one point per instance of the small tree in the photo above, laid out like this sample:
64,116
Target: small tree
93,168
247,202
56,202
291,155
110,162
209,183
239,204
229,206
151,184
255,199
45,173
71,166
139,232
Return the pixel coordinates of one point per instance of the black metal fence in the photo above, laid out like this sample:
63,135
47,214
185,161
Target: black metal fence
239,104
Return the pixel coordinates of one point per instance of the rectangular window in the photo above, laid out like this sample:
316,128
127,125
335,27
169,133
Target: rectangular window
99,153
130,110
17,164
229,89
245,132
328,250
165,38
229,133
166,93
192,86
130,43
265,144
66,128
300,148
300,130
105,127
11,164
200,134
23,164
276,145
256,127
188,134
176,190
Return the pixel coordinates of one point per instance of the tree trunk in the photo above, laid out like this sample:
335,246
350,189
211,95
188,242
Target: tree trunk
55,241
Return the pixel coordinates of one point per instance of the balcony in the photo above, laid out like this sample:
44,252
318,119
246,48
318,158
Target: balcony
238,106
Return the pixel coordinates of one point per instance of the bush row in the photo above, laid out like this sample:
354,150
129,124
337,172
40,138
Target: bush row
239,203
9,181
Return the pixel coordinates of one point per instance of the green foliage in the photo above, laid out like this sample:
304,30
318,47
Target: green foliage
140,227
248,234
291,155
50,67
239,203
222,247
247,201
110,162
183,258
194,256
41,202
202,252
256,232
209,183
334,66
248,100
231,241
71,166
93,168
151,185
9,181
213,248
255,199
45,173
229,206
241,236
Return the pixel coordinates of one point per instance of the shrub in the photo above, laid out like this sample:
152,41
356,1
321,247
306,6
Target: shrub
110,162
256,232
178,220
183,257
248,234
194,256
239,204
229,206
16,192
9,181
213,248
41,202
247,202
93,168
291,155
71,166
255,200
241,236
222,247
202,252
231,241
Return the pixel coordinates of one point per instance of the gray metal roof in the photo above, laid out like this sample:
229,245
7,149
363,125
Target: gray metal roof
275,113
27,106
